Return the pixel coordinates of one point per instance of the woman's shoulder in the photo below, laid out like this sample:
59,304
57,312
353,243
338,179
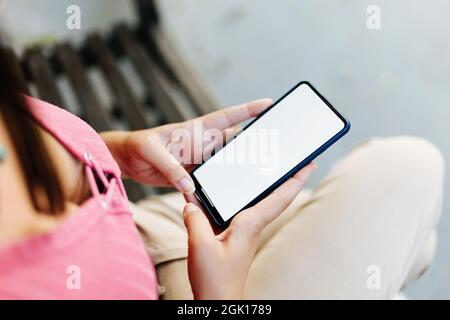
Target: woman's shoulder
77,136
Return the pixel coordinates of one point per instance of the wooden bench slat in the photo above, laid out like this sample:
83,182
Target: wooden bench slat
42,76
167,101
135,192
177,67
147,12
94,112
17,69
131,108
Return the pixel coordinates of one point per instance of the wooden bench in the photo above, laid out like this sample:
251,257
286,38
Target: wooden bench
172,90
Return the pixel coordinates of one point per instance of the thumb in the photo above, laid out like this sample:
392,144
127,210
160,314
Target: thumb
197,224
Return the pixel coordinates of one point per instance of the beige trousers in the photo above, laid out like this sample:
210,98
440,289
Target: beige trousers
364,233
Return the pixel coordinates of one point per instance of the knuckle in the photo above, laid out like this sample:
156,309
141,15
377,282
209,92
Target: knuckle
172,168
283,199
298,181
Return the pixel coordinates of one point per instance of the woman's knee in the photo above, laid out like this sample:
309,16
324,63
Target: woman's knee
403,159
398,174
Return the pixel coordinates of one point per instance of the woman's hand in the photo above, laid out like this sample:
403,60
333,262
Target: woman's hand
218,264
163,156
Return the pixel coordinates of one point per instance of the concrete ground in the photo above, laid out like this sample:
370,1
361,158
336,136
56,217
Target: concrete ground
392,81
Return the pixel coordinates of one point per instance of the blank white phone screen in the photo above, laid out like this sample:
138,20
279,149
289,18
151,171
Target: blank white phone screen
263,153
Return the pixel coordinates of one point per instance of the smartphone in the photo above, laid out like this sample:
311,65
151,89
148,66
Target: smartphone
269,150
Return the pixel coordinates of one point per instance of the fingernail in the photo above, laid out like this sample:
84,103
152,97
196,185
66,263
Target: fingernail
315,165
190,208
186,185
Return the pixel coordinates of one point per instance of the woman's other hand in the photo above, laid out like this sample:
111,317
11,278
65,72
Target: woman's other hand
218,264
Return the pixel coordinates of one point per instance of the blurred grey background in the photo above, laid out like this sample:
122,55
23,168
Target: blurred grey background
392,81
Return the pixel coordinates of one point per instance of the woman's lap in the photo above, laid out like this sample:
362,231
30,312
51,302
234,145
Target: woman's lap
370,217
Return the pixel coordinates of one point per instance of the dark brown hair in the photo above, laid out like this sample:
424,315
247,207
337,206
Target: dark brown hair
44,186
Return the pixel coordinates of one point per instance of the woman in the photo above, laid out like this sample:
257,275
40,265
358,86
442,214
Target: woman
66,230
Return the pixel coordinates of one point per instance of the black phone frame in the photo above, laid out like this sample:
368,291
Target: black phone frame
211,209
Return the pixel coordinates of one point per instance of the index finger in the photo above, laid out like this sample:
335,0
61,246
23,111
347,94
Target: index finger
232,116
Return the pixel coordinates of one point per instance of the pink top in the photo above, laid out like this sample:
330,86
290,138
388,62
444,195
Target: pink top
97,253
